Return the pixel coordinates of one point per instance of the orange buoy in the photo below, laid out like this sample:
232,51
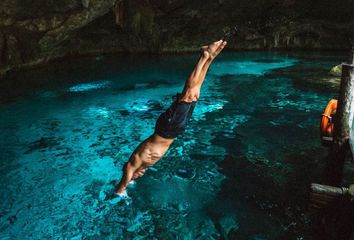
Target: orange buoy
327,124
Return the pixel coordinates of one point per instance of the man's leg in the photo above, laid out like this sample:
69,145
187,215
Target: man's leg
191,90
153,149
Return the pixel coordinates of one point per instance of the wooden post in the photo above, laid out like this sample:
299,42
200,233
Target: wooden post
336,220
345,109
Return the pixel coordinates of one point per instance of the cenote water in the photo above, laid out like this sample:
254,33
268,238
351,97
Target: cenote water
240,171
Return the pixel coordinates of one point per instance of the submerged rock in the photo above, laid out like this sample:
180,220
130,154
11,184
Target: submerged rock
227,224
336,71
306,77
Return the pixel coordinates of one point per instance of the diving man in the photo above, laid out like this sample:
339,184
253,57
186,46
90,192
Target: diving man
172,122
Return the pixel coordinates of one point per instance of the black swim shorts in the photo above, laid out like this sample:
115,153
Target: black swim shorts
174,120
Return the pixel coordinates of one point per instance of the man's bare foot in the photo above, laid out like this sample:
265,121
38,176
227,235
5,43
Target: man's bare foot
215,48
212,50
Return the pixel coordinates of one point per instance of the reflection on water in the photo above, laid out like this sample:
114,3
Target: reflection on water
240,170
88,86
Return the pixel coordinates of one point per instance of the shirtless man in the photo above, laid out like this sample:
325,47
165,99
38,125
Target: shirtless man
172,122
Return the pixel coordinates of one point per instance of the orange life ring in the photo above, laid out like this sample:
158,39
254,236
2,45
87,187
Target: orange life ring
327,124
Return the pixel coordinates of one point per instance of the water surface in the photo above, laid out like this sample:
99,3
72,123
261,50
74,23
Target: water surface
240,171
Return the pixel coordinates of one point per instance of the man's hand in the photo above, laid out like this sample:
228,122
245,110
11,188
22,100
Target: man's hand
128,173
132,170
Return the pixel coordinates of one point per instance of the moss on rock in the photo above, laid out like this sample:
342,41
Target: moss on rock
336,71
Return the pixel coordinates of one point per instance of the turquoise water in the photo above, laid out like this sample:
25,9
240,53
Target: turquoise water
240,171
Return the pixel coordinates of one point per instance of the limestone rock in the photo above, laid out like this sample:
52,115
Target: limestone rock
73,22
139,16
336,71
118,10
85,3
12,53
2,47
41,30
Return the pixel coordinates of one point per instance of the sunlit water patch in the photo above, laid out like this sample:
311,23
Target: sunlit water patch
251,140
254,67
88,86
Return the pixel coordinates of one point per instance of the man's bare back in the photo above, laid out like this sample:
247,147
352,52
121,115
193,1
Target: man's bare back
172,122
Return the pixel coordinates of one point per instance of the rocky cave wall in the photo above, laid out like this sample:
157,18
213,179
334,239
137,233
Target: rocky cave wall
35,31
